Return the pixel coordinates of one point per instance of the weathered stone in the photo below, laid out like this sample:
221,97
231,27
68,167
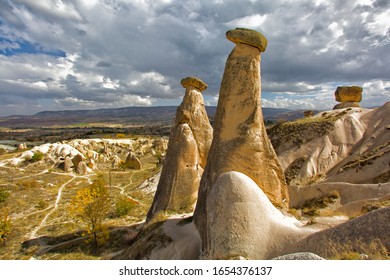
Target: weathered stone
188,147
241,221
91,164
67,165
193,112
348,94
299,256
194,82
240,142
132,162
77,159
248,37
179,182
308,113
116,162
373,226
22,146
346,105
82,168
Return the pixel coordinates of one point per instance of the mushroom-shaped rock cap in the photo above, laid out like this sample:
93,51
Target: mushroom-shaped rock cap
195,82
249,37
348,94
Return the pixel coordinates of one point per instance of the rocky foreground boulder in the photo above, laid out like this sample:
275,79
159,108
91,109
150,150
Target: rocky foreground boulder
241,221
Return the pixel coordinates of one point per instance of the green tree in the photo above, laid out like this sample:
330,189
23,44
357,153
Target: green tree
5,225
89,207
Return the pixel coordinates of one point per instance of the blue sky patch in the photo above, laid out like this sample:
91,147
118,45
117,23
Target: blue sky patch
10,48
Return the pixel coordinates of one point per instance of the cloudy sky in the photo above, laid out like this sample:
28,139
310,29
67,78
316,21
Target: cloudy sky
87,54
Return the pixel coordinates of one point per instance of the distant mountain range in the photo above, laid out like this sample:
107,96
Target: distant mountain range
163,115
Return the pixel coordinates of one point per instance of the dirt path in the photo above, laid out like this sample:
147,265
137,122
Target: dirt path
33,234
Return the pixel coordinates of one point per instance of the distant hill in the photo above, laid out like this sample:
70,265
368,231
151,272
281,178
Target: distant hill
123,116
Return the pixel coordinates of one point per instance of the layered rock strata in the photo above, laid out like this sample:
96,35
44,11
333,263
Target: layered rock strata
188,147
240,142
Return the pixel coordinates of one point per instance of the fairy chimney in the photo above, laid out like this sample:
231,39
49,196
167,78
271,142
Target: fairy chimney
188,146
240,142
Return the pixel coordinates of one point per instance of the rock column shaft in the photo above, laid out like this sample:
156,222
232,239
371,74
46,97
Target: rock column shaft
189,143
240,142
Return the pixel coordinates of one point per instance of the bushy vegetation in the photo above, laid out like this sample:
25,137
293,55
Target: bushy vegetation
90,207
314,206
3,195
38,156
123,206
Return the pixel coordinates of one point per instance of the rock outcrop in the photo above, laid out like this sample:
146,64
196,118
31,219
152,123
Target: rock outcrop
188,147
348,96
66,165
241,221
364,229
132,162
240,142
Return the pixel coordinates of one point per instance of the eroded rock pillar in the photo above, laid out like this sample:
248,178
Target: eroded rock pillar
240,142
188,147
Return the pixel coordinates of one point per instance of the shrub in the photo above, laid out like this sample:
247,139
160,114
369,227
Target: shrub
89,208
38,156
3,195
123,206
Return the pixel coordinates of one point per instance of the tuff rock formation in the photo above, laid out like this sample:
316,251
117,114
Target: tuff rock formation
241,221
240,142
371,226
348,96
188,147
132,162
76,160
308,113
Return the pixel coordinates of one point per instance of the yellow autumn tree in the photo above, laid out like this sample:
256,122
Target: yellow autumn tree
89,208
5,225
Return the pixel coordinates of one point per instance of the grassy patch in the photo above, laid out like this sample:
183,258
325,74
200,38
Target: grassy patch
356,250
315,206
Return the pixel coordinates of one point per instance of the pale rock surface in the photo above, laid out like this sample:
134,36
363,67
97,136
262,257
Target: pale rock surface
368,160
179,181
91,164
366,228
346,105
132,162
76,160
241,221
115,162
168,240
68,165
82,168
240,142
348,192
193,112
324,152
188,148
299,256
